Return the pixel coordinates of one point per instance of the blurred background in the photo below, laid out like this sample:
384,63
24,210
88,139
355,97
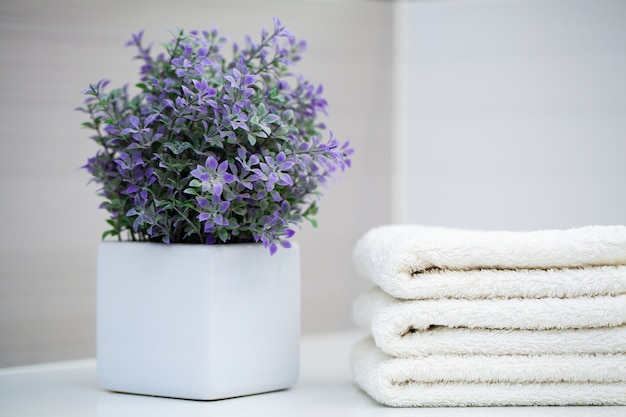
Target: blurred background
491,114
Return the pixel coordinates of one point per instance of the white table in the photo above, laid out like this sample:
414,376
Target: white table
325,389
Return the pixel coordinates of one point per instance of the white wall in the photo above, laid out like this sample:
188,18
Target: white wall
507,114
511,114
52,49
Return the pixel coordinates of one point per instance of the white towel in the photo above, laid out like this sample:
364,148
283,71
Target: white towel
404,328
484,380
501,283
411,261
445,340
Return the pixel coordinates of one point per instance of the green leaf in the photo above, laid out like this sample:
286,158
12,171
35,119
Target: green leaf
281,131
190,191
271,118
164,203
311,210
223,234
274,93
287,115
108,233
251,140
266,130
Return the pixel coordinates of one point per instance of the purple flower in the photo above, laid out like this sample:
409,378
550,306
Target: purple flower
212,213
135,127
274,171
236,117
212,177
129,163
205,93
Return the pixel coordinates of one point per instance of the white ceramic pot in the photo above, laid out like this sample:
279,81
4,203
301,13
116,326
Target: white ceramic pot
201,322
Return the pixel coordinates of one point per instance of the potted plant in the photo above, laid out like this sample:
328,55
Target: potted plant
205,168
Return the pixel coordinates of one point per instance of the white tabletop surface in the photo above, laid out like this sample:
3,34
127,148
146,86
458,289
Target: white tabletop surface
325,389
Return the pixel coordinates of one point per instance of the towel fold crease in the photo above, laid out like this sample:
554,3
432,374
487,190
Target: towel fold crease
382,313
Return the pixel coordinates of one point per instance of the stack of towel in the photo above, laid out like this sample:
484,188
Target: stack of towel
481,318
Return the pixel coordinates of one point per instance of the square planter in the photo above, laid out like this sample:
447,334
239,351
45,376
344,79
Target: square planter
200,322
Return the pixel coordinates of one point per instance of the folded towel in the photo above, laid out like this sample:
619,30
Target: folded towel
445,340
411,261
484,380
506,283
398,326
